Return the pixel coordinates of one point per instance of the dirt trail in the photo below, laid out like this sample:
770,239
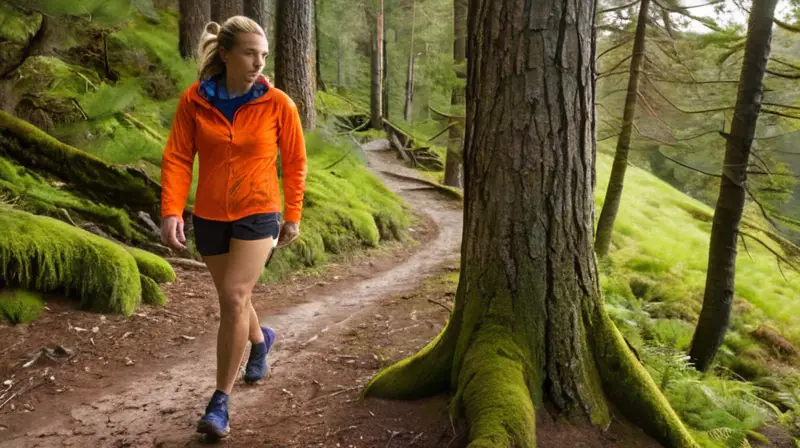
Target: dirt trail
159,405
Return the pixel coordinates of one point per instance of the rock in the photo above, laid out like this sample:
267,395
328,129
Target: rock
145,219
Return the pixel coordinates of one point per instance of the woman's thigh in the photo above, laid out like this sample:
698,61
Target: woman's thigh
244,264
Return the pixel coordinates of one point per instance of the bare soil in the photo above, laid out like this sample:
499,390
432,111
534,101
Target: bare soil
144,380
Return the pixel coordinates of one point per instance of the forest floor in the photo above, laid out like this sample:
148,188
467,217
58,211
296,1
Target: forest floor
144,380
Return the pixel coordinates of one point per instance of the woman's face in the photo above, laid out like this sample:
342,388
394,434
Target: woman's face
245,60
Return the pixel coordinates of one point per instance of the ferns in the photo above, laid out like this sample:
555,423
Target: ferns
731,438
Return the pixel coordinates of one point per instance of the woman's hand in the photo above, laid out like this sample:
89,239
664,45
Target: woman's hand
289,232
172,232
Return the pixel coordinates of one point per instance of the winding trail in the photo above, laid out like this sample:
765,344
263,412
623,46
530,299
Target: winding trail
161,408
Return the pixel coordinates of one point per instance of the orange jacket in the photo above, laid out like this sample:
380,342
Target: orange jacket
238,173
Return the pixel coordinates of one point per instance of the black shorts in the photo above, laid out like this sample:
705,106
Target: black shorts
214,237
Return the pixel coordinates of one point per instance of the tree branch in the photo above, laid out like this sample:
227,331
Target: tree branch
780,114
616,66
616,8
704,111
687,166
682,11
624,42
783,75
785,106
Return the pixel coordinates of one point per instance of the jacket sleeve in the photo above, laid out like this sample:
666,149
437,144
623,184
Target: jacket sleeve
178,161
293,161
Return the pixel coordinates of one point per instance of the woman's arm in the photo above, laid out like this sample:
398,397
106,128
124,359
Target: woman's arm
178,161
293,162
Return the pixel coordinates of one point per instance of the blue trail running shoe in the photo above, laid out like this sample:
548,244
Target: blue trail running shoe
214,424
258,364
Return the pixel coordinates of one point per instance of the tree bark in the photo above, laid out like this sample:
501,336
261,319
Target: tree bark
294,73
317,64
605,225
376,90
384,81
529,324
194,14
222,10
410,74
453,167
257,10
720,278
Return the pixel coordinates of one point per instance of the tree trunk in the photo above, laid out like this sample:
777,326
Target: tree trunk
222,10
257,10
339,79
454,168
376,90
318,66
718,295
384,81
410,74
605,226
529,324
194,14
294,73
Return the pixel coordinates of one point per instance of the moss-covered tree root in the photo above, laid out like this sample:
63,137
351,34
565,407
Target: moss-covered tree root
97,180
48,255
497,386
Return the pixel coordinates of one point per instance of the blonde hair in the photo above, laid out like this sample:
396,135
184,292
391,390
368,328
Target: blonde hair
215,37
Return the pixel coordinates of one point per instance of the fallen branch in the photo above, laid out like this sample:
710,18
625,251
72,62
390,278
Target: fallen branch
186,263
449,310
451,193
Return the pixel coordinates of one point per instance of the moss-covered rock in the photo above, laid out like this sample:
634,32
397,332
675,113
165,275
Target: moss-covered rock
17,28
151,293
54,77
45,254
20,306
153,266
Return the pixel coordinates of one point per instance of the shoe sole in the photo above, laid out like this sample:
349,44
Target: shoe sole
204,427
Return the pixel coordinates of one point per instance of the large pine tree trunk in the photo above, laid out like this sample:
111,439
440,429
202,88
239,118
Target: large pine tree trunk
194,14
384,78
376,90
256,10
294,73
718,296
605,225
222,10
529,324
453,167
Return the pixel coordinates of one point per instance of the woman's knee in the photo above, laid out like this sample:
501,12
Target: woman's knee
235,301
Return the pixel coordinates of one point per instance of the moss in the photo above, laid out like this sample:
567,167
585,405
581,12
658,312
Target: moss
151,293
45,254
493,391
53,77
632,388
153,266
85,173
16,26
37,195
424,374
20,306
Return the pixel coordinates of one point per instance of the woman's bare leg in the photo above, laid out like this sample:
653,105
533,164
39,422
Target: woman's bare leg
243,266
216,266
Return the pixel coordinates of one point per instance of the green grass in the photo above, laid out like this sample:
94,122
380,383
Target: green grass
663,235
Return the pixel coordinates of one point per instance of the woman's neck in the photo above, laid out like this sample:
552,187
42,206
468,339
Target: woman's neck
236,88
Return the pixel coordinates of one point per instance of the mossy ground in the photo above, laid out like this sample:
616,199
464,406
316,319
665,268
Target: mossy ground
20,306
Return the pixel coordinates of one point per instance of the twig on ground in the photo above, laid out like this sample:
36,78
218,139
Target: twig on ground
186,263
394,433
415,439
449,310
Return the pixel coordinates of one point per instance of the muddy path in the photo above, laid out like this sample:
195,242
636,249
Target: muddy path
157,403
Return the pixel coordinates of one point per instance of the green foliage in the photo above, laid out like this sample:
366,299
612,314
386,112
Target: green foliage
16,26
47,255
152,266
101,12
20,306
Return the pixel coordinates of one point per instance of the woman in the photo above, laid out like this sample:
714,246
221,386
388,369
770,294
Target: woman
235,121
